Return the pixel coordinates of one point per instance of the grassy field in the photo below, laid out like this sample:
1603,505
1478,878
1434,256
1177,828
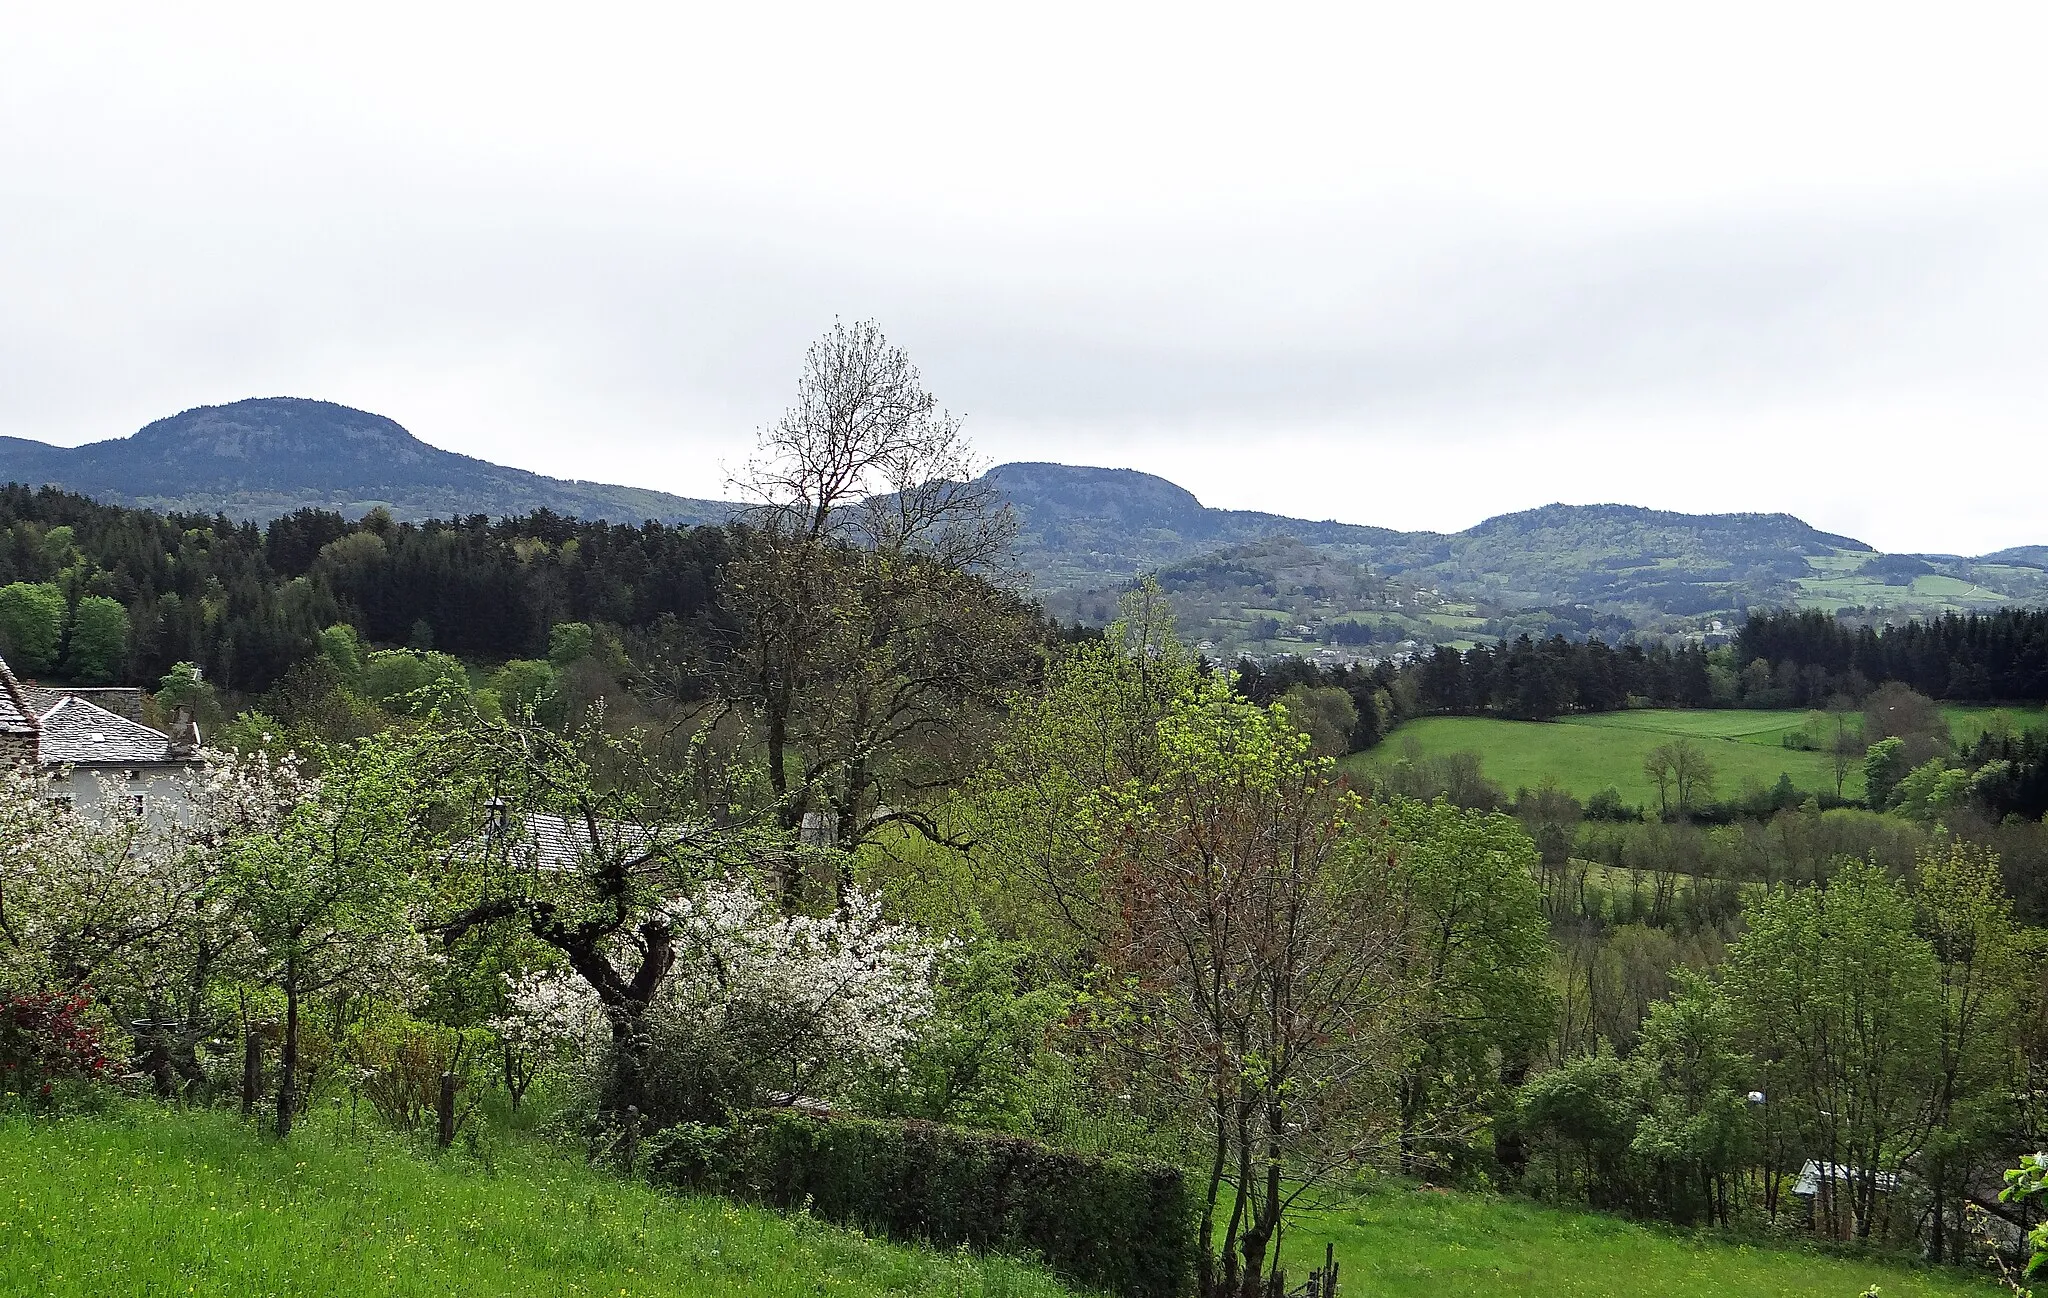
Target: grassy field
1589,753
1406,1243
150,1201
154,1202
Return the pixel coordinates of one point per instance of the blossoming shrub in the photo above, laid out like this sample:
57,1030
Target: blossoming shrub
1124,1225
46,1042
759,1001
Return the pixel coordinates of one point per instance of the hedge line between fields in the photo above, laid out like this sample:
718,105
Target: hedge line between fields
1124,1225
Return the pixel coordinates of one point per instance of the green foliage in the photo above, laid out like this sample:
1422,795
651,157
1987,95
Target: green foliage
569,642
1484,952
978,1056
1660,1132
340,645
327,898
31,625
399,1061
526,686
1691,1080
1838,998
1120,1225
98,644
1930,791
1326,713
1884,765
414,683
183,687
1091,725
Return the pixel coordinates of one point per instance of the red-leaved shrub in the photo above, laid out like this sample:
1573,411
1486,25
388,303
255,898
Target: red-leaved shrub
45,1039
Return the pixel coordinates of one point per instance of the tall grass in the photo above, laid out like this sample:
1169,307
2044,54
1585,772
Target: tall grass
150,1201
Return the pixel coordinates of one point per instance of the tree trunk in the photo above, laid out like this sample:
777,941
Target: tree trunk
288,1060
252,1069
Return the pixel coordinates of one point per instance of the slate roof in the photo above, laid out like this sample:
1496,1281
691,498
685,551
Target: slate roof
558,843
123,701
78,733
16,717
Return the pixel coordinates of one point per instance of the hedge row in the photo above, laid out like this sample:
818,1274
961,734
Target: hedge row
1122,1225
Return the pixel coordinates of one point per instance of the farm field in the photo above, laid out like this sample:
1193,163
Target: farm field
1590,753
1407,1243
151,1201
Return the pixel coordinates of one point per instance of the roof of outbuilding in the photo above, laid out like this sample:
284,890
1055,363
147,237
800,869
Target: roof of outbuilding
78,733
557,843
16,717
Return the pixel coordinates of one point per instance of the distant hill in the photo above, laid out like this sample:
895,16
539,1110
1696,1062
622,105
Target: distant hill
1236,574
268,456
2021,556
1244,579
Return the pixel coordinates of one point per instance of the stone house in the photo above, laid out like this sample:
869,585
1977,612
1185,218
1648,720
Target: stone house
80,745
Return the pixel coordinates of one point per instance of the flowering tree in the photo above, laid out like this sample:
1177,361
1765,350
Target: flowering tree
554,841
132,903
757,1000
795,998
547,1012
326,898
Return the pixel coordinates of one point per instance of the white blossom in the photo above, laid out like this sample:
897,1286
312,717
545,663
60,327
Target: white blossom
840,990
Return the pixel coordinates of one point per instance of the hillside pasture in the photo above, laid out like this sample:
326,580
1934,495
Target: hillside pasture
1589,753
152,1201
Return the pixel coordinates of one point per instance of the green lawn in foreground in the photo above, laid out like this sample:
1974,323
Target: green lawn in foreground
1405,1243
149,1201
154,1202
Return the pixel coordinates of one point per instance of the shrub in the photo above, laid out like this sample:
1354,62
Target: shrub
1123,1225
45,1042
399,1062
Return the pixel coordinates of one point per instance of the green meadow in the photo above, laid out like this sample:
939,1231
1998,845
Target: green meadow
151,1201
1590,753
1426,1243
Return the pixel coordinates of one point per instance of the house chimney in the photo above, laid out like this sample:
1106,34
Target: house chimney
184,735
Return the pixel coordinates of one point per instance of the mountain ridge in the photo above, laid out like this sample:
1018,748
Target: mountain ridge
265,456
1085,532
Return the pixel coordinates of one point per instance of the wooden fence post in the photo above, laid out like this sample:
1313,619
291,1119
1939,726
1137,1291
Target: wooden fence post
252,1069
447,1110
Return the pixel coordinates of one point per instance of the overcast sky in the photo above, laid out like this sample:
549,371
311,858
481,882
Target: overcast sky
1411,265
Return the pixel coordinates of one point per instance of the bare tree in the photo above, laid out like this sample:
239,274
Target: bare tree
1682,774
873,587
1692,773
1657,764
1266,946
1845,744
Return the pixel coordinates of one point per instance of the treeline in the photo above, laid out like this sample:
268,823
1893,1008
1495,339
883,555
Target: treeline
1780,659
1525,679
247,604
2001,655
